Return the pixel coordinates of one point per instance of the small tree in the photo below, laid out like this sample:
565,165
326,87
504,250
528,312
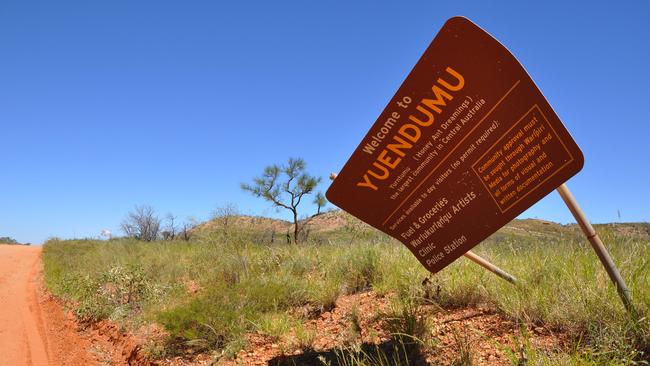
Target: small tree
141,223
170,227
225,214
284,186
320,201
185,232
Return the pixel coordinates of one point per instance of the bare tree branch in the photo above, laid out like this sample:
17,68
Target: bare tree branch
142,224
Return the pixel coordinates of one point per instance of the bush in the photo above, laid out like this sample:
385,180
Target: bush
7,240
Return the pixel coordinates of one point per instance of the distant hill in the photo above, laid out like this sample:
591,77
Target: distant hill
243,222
337,220
334,220
324,222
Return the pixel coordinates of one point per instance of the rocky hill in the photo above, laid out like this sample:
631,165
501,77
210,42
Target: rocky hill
337,220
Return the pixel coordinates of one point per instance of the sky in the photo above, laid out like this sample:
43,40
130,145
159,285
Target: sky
105,105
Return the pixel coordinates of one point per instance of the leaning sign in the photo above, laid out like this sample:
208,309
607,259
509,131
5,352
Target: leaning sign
467,143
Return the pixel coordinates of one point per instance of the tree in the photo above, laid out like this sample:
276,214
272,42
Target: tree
225,214
284,186
186,228
8,240
185,231
320,201
141,223
170,228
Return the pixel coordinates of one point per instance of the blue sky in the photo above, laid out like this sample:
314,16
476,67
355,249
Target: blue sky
109,104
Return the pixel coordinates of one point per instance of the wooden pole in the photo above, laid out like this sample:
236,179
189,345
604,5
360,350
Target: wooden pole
490,267
599,247
477,259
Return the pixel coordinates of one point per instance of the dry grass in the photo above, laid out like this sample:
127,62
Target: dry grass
250,285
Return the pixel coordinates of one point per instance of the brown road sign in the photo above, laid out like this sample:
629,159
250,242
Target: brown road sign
467,143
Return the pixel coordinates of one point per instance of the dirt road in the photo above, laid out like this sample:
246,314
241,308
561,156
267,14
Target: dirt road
34,330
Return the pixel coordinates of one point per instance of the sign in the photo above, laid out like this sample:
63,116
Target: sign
466,144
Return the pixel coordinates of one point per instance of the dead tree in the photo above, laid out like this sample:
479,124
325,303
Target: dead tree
142,224
171,228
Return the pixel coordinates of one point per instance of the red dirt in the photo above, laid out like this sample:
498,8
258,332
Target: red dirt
487,334
35,329
20,319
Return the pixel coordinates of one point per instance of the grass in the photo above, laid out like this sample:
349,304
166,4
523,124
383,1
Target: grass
246,285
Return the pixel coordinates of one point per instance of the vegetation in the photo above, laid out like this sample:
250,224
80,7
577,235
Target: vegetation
287,193
142,224
8,240
320,201
211,291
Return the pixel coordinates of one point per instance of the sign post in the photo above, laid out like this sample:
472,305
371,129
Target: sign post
599,247
467,143
477,259
490,267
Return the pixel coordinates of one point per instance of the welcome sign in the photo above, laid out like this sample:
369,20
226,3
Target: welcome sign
466,144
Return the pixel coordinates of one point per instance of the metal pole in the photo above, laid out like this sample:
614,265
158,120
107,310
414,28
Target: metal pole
477,259
599,247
